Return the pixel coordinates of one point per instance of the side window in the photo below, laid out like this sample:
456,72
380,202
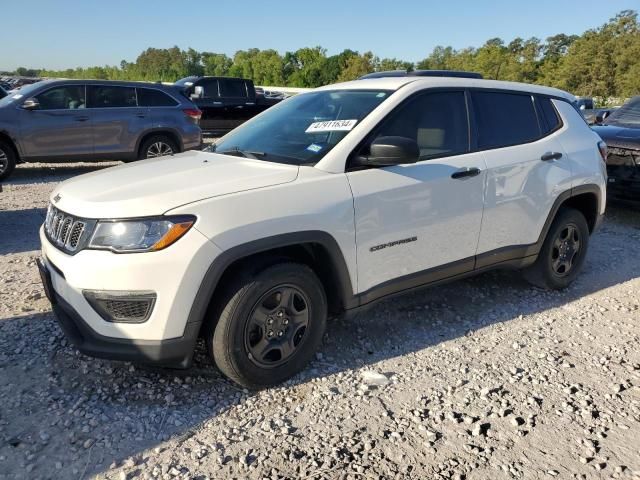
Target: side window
436,121
62,98
549,119
148,97
232,88
210,87
504,119
105,96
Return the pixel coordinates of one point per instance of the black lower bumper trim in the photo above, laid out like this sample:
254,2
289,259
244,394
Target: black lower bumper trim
175,352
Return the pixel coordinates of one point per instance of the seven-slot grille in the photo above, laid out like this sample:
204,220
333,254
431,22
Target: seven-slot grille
66,231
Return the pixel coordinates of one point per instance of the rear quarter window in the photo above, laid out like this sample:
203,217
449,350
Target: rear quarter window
148,97
549,118
504,119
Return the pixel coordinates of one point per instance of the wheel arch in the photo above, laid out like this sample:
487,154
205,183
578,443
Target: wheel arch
169,132
584,198
4,136
317,249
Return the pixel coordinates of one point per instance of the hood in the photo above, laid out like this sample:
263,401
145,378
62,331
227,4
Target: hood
617,136
151,187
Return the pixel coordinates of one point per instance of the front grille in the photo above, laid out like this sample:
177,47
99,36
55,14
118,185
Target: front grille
67,232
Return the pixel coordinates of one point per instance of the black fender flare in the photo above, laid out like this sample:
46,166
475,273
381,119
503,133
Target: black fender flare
220,264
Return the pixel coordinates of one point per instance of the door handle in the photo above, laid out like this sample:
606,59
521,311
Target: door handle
465,172
81,119
140,115
551,156
240,106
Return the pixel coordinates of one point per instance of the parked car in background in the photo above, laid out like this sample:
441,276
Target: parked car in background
3,92
330,201
596,116
89,120
621,132
225,102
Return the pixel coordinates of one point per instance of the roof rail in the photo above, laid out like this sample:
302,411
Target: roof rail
422,73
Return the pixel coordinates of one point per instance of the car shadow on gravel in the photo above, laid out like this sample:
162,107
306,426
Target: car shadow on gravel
98,412
19,230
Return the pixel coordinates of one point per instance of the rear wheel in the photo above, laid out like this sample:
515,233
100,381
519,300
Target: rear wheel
157,146
7,160
563,251
267,326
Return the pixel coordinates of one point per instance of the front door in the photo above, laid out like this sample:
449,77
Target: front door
412,219
60,127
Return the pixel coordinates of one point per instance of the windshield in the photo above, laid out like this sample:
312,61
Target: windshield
22,94
302,129
627,115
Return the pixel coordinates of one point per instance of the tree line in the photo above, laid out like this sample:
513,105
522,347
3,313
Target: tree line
603,61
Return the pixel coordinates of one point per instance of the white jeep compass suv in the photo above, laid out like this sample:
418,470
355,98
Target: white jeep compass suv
321,205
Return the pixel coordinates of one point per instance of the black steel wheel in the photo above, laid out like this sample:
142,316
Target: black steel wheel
265,326
277,326
563,252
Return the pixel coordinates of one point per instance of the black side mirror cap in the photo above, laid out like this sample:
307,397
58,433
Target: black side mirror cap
392,150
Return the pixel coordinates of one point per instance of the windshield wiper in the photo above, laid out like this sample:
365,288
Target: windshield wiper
243,153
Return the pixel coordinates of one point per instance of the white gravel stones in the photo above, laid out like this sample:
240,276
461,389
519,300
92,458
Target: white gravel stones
483,378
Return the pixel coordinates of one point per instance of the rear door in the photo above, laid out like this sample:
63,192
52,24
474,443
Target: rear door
411,219
118,121
237,105
60,127
160,107
527,168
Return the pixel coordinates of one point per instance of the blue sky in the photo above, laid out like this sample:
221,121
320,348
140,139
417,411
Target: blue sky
70,33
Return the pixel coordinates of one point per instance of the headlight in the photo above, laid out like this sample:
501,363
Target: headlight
143,235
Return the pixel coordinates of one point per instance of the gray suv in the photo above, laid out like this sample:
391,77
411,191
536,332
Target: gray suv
77,120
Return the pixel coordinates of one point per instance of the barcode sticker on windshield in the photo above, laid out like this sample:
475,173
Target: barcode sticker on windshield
331,126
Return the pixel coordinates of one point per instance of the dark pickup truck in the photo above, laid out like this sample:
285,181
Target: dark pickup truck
226,102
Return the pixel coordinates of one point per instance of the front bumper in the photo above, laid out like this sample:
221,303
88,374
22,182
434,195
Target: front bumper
175,352
169,334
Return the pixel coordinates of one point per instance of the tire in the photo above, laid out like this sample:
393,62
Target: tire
563,252
243,334
8,160
162,145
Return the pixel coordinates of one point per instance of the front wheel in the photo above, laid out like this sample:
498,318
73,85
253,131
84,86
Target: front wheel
268,325
563,252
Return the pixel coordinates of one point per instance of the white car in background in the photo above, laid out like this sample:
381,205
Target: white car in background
318,207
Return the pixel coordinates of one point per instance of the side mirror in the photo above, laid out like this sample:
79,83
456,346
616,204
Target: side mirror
387,151
198,92
31,104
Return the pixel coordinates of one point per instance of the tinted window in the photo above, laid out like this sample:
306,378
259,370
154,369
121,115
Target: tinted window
148,97
549,119
110,97
436,121
504,119
62,98
210,87
232,88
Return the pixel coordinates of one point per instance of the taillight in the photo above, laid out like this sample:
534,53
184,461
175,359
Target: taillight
193,113
603,150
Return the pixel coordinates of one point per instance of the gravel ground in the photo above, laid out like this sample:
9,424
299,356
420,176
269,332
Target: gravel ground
486,378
